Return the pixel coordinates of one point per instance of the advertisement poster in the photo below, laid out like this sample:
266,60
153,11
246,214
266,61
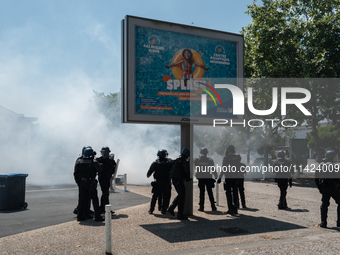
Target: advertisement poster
173,70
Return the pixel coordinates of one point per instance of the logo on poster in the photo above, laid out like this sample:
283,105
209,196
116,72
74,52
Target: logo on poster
219,56
153,42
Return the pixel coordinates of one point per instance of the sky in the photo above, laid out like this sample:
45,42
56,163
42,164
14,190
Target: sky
54,54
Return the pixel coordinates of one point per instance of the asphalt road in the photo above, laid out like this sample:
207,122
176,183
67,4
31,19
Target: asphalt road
52,205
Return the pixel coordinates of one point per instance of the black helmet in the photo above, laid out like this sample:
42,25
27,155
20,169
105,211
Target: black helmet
82,151
230,148
204,151
280,154
105,151
185,153
329,155
162,153
88,152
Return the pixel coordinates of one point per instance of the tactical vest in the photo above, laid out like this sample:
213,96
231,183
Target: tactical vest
162,169
180,169
204,166
233,164
86,168
282,168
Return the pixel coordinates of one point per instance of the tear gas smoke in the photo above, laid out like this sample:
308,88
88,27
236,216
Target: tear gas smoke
65,124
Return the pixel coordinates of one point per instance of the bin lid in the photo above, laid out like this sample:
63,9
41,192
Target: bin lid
13,175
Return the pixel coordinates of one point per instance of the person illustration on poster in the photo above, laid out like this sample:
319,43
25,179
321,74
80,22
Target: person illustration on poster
187,62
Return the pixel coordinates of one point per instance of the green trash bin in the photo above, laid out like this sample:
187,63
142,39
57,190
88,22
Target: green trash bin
12,191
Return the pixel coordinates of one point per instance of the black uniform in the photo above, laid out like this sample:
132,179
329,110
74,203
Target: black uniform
205,179
108,169
162,186
328,187
85,171
240,185
231,162
282,167
179,173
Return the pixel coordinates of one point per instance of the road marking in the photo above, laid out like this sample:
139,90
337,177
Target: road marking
42,190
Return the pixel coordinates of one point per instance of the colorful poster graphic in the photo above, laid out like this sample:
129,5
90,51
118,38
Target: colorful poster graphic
173,70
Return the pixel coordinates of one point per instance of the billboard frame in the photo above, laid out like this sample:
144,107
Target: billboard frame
129,24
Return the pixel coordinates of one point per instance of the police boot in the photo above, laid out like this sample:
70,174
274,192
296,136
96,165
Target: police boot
338,224
281,207
80,218
171,211
323,224
181,217
213,208
150,211
324,211
88,216
232,211
285,204
243,201
201,209
75,211
98,217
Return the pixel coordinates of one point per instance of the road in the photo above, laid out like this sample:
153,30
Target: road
52,205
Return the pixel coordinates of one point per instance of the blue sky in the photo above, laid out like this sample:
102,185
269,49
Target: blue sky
54,53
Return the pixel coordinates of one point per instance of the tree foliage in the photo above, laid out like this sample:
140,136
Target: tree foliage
329,138
109,105
295,39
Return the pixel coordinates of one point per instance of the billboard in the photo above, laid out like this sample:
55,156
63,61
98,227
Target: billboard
169,72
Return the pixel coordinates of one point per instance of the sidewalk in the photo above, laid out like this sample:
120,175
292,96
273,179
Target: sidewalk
261,229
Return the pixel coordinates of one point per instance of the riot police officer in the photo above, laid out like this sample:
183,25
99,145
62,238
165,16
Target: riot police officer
85,171
108,165
231,165
282,168
328,183
204,175
162,186
90,212
179,173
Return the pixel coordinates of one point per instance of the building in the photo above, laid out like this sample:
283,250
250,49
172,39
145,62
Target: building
15,137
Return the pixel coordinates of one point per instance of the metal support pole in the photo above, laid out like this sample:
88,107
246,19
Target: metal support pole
248,157
217,194
125,181
108,247
187,132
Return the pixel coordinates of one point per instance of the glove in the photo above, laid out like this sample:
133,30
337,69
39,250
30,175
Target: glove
219,180
290,184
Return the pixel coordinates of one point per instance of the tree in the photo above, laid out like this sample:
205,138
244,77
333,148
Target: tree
295,39
217,139
329,138
109,105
